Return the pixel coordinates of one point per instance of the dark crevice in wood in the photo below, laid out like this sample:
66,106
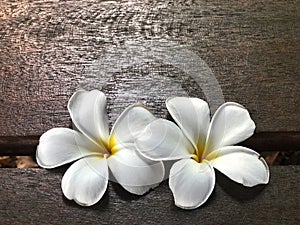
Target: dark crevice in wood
268,141
274,141
21,145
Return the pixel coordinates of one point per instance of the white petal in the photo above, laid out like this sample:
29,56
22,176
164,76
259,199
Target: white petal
59,146
191,183
192,116
163,140
88,113
86,180
240,164
130,123
135,173
230,125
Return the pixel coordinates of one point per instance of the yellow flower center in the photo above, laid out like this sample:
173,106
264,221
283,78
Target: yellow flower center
111,145
198,152
195,157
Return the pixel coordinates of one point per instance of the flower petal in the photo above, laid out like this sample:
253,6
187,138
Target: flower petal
191,183
130,123
192,116
240,164
86,180
135,173
230,125
88,113
59,146
163,140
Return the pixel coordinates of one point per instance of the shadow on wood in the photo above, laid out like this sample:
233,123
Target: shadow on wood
236,190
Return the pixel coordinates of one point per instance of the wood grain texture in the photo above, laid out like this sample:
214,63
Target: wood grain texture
146,51
33,196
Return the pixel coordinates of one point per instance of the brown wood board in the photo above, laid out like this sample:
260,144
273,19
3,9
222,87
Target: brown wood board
34,196
49,49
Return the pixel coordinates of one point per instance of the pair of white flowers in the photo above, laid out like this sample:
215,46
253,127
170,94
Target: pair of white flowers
138,143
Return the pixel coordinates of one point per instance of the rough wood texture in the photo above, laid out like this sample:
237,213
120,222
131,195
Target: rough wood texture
146,51
33,196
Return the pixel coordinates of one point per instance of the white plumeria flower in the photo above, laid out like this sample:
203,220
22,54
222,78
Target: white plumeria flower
202,145
97,151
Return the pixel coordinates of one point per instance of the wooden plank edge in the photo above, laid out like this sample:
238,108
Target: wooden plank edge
265,141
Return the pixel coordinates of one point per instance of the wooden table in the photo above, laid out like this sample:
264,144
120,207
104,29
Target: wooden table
145,51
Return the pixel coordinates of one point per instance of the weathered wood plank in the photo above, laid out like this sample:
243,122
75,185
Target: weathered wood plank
147,51
34,196
278,141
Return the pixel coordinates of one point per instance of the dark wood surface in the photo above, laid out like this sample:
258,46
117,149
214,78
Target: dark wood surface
147,51
243,51
33,196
